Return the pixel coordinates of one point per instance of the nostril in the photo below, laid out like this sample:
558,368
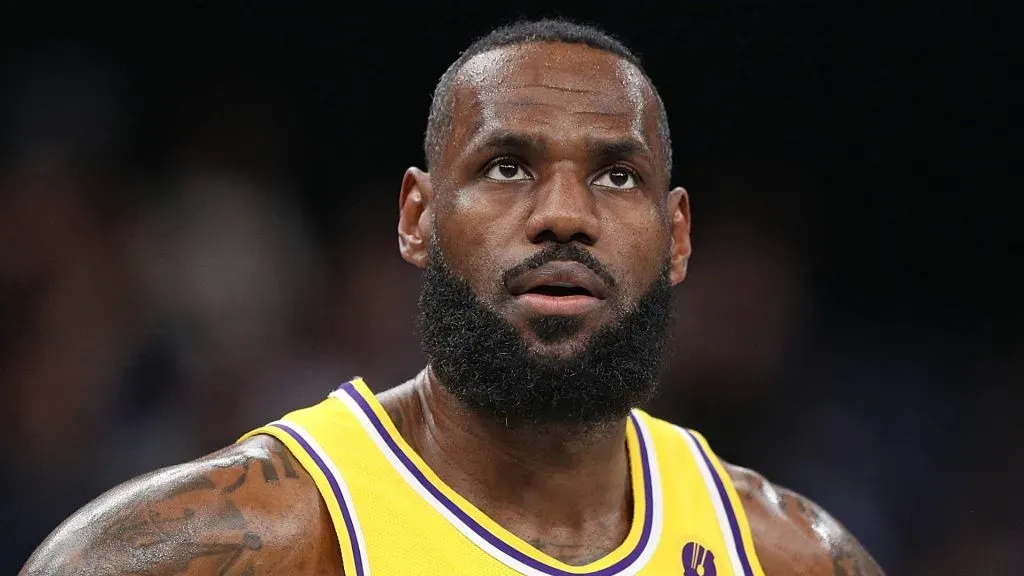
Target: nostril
546,236
549,236
582,238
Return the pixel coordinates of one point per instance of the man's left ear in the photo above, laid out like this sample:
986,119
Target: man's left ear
679,227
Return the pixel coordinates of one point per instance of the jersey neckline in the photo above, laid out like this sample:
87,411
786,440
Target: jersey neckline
505,546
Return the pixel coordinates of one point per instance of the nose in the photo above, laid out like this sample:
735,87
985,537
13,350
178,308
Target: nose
565,210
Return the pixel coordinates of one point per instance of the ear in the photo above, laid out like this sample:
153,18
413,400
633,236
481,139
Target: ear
679,227
414,215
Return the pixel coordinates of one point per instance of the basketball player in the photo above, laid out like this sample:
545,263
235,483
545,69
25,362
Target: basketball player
549,240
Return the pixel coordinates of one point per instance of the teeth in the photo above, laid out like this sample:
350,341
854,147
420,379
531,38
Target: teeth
562,285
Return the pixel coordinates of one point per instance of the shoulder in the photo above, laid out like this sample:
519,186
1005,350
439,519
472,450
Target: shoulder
247,509
795,536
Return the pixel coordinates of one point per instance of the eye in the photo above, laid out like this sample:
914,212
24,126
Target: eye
618,178
506,170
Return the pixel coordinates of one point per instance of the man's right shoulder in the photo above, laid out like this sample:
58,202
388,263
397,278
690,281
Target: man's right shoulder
248,509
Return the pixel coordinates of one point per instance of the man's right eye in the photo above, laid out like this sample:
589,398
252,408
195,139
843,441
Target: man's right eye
506,171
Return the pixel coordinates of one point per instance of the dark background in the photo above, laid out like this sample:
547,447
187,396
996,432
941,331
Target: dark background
197,234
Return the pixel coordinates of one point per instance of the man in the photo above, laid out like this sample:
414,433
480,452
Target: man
550,240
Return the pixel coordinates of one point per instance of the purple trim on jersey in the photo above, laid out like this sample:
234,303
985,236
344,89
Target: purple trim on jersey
498,543
734,524
349,527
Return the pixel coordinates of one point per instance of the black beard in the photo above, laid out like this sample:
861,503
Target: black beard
481,359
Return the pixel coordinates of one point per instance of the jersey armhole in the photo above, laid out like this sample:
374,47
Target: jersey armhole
737,504
331,486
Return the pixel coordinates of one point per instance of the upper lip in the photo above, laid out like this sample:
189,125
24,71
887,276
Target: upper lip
561,272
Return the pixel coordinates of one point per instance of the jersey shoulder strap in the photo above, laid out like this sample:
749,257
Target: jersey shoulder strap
312,435
704,511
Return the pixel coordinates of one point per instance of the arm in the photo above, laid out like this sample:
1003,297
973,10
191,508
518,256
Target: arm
248,509
793,535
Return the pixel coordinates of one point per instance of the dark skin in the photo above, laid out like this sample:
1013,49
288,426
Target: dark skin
550,143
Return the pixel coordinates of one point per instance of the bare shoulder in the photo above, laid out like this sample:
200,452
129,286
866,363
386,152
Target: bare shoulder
248,509
795,536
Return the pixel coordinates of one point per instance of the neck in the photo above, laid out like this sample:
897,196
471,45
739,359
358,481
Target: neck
576,475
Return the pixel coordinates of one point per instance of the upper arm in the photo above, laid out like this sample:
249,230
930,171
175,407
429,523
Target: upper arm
248,509
793,535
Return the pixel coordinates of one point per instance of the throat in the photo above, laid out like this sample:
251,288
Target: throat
565,490
582,541
581,550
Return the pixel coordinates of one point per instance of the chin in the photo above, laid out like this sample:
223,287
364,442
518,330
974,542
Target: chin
560,350
557,336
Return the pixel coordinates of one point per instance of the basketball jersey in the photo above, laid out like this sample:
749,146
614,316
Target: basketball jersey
394,516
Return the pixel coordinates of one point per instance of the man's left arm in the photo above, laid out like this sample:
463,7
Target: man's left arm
793,535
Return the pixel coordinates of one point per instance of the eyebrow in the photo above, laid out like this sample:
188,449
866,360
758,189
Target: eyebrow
616,148
605,149
512,142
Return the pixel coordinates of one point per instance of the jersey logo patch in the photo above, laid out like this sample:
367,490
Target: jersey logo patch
698,560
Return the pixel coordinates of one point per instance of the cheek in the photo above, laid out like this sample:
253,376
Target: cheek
641,243
474,234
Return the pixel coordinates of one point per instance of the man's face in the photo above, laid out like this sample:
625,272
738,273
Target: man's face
549,202
553,143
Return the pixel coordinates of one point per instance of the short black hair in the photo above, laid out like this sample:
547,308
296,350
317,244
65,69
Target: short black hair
524,32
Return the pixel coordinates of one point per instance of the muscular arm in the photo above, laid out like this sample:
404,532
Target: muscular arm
248,509
794,536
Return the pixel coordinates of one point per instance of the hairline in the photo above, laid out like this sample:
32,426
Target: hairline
442,113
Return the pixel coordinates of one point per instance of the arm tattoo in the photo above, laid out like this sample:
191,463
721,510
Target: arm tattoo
266,464
143,541
168,530
792,503
848,557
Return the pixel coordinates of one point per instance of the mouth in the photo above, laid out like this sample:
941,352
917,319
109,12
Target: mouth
559,289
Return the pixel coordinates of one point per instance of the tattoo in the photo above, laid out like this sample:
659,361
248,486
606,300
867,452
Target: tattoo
801,536
167,531
791,502
269,472
286,461
192,485
267,467
141,540
572,554
848,557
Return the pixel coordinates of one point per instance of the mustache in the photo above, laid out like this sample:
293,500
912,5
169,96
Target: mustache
570,252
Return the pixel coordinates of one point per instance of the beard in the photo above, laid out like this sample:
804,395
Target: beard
482,360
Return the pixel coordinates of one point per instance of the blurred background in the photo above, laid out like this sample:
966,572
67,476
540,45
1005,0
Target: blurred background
197,234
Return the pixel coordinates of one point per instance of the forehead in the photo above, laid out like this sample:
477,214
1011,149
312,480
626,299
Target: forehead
547,88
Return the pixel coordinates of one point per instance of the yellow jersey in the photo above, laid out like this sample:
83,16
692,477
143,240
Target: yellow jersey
394,516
